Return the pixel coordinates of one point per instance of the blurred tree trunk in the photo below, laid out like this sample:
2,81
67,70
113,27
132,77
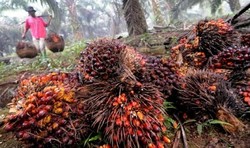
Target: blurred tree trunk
75,23
135,18
55,25
158,18
234,5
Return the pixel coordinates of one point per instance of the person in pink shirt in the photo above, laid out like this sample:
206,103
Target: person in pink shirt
37,27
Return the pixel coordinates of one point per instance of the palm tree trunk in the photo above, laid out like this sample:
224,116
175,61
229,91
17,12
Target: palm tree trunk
56,23
234,5
135,18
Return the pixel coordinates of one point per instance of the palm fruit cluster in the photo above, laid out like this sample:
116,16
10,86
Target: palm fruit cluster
128,115
240,79
204,94
100,60
197,59
48,112
159,71
214,35
209,38
233,62
231,58
245,39
126,108
245,92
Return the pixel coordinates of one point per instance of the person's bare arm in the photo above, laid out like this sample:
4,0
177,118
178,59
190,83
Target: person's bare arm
48,23
24,32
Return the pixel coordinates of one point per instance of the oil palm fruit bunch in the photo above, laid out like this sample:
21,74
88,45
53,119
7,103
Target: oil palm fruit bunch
209,38
240,80
245,39
231,58
196,59
212,36
129,113
48,111
204,95
158,71
101,60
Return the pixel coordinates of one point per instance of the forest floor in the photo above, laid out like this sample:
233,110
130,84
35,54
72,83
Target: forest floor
212,136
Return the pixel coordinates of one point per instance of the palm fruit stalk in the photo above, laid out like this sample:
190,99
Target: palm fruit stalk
204,95
48,112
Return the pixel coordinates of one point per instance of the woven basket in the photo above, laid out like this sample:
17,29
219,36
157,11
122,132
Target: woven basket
55,43
26,50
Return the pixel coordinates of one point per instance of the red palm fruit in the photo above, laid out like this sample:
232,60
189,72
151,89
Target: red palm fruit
118,122
26,136
42,113
159,145
136,122
147,126
151,145
8,127
139,133
166,139
156,128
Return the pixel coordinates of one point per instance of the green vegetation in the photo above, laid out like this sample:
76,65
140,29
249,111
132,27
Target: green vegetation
209,123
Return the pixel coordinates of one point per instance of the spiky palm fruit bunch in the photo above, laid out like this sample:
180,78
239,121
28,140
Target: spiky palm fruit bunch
231,58
236,62
210,37
196,59
157,70
240,80
129,113
103,59
214,35
245,39
48,111
204,95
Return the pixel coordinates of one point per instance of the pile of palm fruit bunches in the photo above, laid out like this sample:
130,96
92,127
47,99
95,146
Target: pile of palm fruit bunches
215,62
113,90
120,92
